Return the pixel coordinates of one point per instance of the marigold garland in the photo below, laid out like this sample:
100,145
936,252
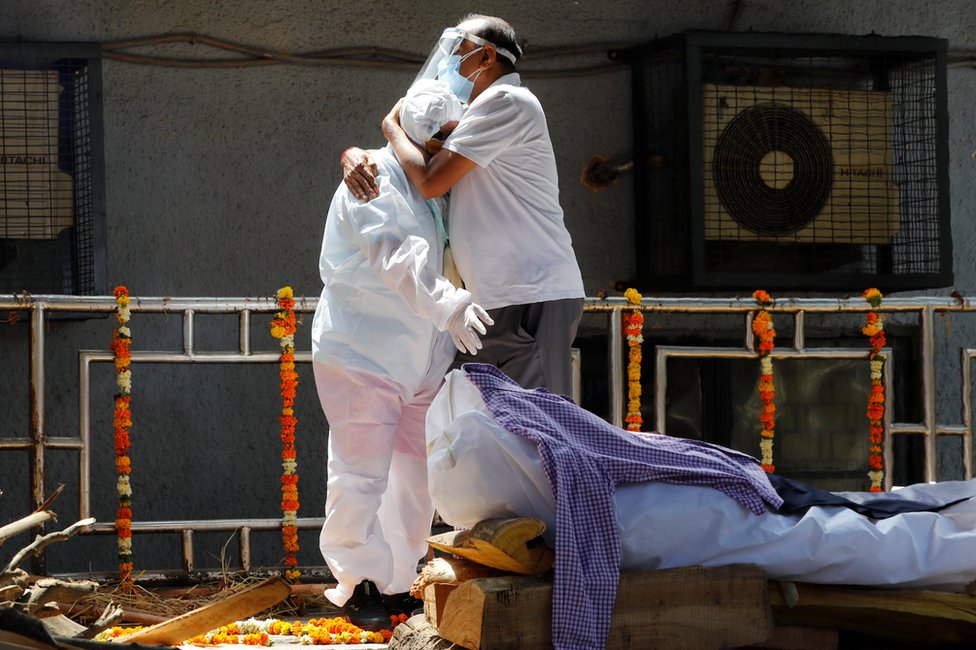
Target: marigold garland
257,632
762,328
121,423
283,327
633,326
874,330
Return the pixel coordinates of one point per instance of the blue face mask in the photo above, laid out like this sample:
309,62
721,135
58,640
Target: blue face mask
449,71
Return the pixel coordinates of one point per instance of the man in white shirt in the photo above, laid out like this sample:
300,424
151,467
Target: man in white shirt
510,244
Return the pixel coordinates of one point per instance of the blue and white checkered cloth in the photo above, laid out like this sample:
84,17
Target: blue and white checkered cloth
584,458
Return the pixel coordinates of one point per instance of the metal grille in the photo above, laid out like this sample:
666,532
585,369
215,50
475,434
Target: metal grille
49,172
39,442
820,159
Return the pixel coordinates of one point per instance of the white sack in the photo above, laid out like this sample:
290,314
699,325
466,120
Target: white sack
478,470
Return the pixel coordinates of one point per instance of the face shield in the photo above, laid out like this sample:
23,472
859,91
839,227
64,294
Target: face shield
444,59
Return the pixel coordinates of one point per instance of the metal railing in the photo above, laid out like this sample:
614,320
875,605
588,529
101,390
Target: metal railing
37,441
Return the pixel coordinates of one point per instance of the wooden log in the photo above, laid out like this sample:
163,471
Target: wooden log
13,641
24,524
111,615
43,540
63,592
907,616
13,584
792,637
418,634
242,604
692,608
451,571
140,617
61,625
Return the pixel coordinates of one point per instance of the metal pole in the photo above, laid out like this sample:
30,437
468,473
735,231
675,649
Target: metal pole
36,453
967,412
616,352
928,391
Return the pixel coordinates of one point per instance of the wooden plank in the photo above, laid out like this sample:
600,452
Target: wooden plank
695,608
791,637
242,604
906,616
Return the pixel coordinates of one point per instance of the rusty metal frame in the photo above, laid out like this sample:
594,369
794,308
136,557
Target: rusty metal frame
37,442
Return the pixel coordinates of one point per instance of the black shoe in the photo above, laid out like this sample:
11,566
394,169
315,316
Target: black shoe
365,608
403,603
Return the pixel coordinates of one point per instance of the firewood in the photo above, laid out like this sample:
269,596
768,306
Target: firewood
43,540
47,590
242,604
693,608
908,616
16,641
449,570
12,585
24,524
801,638
417,634
139,617
61,625
111,615
511,545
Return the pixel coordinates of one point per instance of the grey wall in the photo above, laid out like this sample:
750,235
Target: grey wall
218,180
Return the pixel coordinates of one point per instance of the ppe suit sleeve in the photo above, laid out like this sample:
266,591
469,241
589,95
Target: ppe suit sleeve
405,263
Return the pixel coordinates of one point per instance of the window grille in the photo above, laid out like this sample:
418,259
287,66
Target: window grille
51,170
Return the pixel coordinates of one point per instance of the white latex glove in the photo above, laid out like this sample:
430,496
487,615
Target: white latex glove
465,325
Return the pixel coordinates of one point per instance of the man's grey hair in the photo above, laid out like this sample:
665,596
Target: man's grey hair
500,34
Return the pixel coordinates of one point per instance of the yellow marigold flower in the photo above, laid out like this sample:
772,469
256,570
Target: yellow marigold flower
632,296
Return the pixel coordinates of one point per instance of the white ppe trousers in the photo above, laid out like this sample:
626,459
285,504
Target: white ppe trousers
377,508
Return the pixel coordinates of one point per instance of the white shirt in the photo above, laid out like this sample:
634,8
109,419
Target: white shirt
507,233
385,304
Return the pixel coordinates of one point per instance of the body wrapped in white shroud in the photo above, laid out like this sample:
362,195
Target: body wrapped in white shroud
479,470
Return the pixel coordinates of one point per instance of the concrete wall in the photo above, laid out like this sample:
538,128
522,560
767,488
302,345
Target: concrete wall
218,181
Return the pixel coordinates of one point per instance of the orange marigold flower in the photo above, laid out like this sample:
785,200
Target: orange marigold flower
871,329
761,296
873,296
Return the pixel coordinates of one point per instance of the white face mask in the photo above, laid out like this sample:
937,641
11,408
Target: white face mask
449,71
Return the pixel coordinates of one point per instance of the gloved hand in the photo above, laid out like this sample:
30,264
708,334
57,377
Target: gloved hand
465,325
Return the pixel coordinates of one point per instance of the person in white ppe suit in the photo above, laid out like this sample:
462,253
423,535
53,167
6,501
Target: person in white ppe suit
508,233
383,336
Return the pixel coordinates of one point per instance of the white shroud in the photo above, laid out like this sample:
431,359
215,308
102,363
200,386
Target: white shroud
478,470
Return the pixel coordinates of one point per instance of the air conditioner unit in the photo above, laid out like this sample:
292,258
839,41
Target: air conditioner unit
790,162
36,196
798,165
